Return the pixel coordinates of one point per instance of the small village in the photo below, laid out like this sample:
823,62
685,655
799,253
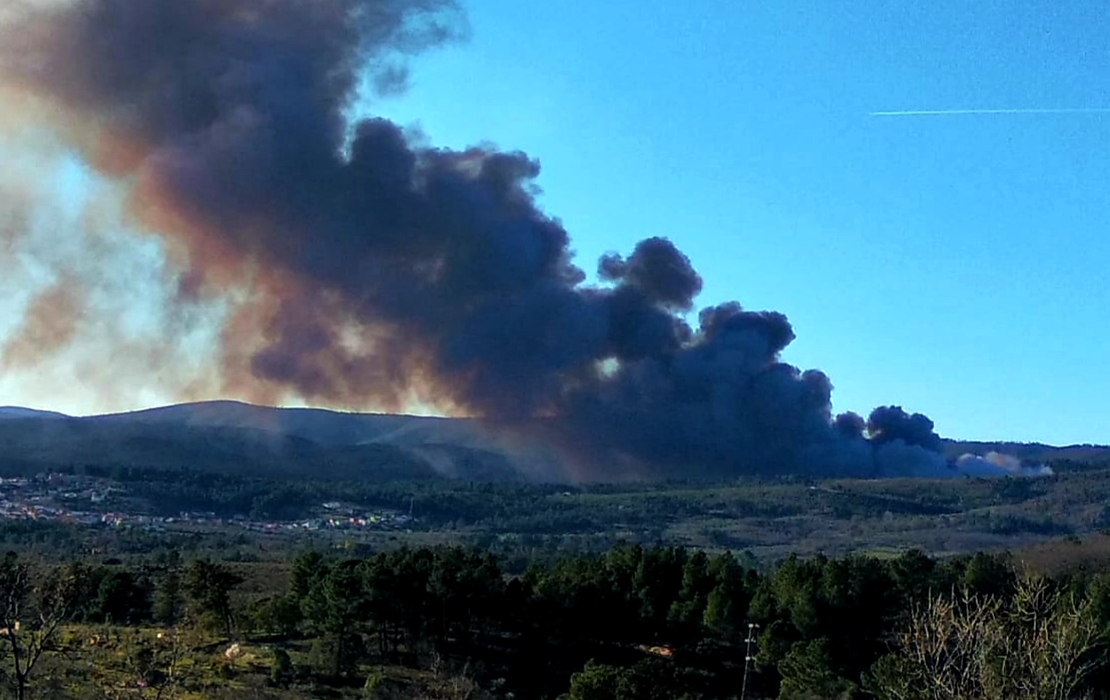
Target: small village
92,501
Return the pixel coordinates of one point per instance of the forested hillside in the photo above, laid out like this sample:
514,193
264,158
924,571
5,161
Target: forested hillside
631,624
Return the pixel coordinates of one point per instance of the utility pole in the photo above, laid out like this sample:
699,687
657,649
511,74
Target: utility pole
748,657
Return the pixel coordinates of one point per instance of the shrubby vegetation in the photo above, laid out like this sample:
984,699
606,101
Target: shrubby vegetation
523,521
770,518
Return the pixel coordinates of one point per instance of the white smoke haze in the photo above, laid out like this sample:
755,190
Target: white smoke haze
998,464
85,299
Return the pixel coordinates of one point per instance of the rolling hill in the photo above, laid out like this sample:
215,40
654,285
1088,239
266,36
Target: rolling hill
17,412
241,439
245,440
318,425
1067,456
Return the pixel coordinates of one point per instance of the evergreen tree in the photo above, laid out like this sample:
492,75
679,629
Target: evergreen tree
209,586
168,603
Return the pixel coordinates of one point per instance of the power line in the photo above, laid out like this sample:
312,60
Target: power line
748,657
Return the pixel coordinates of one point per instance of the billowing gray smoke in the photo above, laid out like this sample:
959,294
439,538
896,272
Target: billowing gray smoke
371,269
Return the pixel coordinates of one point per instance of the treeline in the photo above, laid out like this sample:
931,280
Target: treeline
658,622
639,622
436,503
528,508
546,509
496,506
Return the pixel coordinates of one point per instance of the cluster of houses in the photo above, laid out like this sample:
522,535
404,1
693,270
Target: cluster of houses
54,497
88,500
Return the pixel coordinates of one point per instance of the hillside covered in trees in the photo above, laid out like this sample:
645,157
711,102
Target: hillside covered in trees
634,623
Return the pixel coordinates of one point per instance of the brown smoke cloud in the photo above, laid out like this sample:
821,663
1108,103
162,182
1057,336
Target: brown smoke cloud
49,322
358,267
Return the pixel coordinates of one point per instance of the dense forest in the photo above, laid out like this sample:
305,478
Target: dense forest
631,623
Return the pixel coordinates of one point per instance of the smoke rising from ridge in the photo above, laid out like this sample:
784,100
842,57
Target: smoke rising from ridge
363,267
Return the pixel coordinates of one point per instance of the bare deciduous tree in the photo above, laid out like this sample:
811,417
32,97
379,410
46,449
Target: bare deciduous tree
1039,645
30,614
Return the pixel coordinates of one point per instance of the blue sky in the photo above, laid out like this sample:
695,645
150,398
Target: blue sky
953,265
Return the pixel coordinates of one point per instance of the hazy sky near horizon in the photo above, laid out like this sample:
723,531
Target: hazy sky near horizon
953,265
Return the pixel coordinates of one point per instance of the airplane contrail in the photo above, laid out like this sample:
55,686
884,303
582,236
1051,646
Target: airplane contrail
948,112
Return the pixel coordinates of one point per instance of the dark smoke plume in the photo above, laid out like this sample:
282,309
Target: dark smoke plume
890,423
370,269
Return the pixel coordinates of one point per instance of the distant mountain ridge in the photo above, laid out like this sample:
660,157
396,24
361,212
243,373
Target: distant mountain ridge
1034,452
247,440
18,412
320,425
231,437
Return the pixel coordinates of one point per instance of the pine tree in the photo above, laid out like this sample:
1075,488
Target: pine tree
168,603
